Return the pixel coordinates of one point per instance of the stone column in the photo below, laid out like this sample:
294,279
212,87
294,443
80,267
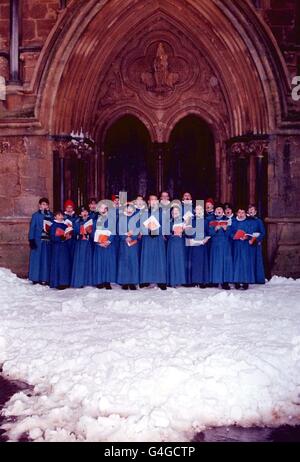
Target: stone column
102,175
159,153
256,150
249,172
14,72
241,190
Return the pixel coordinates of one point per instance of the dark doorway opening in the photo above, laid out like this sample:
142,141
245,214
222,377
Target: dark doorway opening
129,163
190,159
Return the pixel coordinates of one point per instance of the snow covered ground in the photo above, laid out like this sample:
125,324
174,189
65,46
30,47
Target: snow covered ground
151,365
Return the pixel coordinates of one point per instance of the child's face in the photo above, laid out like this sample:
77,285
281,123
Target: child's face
139,202
165,197
153,201
129,210
241,214
219,212
44,206
103,209
187,197
209,207
175,213
252,211
93,206
59,217
84,214
199,211
69,209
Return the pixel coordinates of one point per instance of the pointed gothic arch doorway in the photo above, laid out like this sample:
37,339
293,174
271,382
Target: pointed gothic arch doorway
190,161
128,161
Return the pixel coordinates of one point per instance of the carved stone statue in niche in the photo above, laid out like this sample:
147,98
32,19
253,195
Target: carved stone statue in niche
160,80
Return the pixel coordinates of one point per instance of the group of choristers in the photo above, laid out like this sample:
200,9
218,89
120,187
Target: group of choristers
169,244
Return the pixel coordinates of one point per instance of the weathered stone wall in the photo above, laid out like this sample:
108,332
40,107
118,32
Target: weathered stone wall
25,176
284,212
37,20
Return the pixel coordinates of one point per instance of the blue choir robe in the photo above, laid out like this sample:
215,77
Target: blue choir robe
199,257
40,258
209,217
243,267
153,266
257,226
231,220
93,215
82,271
187,208
176,258
60,273
221,264
71,242
105,258
128,271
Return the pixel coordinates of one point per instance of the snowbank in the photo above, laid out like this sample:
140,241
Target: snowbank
151,365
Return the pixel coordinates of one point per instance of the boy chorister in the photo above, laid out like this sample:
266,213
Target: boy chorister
82,272
40,247
153,249
105,252
129,242
60,234
199,255
257,227
243,267
221,265
176,250
93,212
70,218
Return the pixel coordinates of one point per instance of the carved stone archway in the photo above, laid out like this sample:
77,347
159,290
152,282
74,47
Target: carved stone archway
161,63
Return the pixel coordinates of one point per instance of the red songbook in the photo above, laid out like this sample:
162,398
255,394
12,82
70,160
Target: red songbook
59,232
68,223
218,223
47,225
103,239
88,226
102,236
240,234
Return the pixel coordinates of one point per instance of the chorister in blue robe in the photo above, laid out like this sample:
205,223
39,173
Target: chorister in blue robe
93,214
105,252
60,273
72,241
82,272
209,216
221,264
187,215
176,255
40,254
128,272
243,267
257,226
153,251
199,256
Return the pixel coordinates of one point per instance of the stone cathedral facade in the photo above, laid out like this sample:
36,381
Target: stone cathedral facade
98,96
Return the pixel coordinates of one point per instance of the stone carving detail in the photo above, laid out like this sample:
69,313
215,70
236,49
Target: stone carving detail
69,146
161,80
115,88
4,147
12,146
249,148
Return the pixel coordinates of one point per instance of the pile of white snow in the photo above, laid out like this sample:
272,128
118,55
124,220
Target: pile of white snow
148,365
